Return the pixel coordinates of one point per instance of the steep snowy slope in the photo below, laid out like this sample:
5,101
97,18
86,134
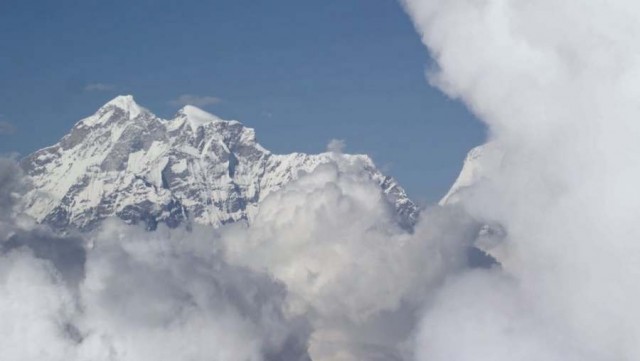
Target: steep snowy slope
124,161
479,162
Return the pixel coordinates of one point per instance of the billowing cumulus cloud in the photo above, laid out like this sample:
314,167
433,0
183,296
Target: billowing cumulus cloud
558,85
168,295
324,271
350,269
35,309
126,294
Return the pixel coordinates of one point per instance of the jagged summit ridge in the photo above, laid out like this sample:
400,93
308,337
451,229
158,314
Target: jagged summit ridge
124,161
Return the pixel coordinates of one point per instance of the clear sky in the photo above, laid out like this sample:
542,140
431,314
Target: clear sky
300,72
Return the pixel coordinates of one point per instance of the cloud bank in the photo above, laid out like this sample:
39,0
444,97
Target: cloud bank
558,85
350,269
324,271
126,294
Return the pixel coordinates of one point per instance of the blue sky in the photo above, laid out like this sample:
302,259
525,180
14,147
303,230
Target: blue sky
300,72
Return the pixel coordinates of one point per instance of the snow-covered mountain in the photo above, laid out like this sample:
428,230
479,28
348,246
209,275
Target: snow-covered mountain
124,161
480,161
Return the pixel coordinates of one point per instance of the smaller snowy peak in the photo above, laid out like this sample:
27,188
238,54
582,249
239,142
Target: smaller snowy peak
196,117
122,105
122,101
125,103
199,123
477,165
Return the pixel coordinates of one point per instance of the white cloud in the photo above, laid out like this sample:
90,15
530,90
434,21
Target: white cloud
125,294
324,267
99,87
331,238
34,308
179,301
558,84
195,100
6,128
336,145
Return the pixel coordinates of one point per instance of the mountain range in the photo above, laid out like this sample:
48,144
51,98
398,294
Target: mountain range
124,161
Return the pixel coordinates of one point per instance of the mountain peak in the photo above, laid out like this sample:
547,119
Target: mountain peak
120,104
126,103
121,101
196,116
480,161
